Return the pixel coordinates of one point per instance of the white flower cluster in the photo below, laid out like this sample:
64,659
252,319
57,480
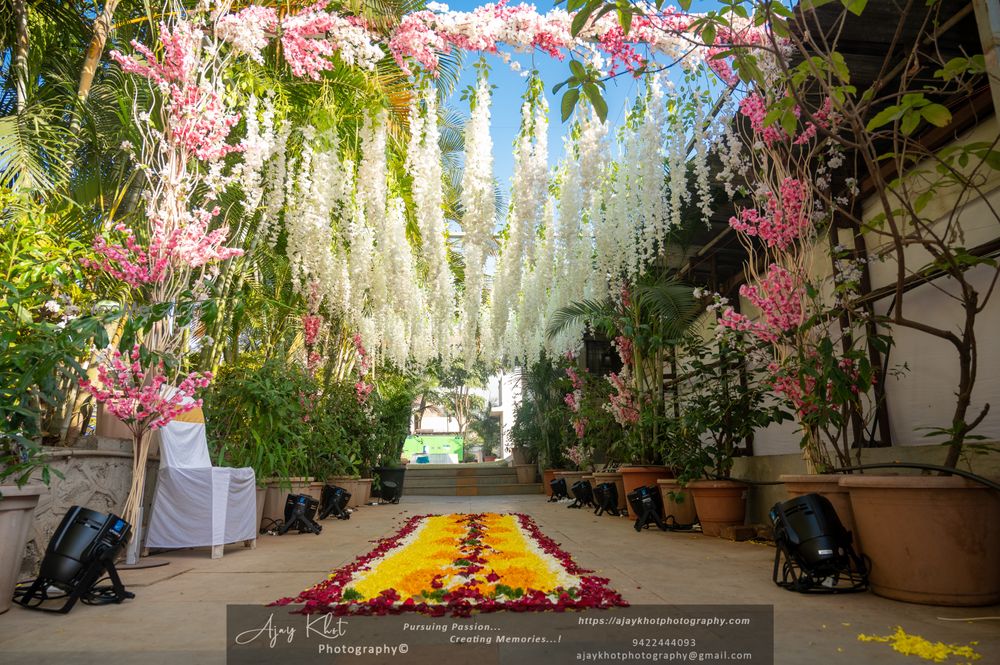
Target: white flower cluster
529,191
478,201
423,162
321,193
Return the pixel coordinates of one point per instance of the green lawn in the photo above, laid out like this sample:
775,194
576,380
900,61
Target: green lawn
434,443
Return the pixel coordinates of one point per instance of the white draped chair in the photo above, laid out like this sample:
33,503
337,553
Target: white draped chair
196,504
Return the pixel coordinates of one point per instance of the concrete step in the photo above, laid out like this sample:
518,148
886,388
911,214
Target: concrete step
454,470
474,490
461,481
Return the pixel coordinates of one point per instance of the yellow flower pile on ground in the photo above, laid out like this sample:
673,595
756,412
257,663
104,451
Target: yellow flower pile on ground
460,563
914,645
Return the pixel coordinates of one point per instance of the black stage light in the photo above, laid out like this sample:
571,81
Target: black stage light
80,551
334,502
559,490
583,494
606,499
647,503
390,492
300,513
816,548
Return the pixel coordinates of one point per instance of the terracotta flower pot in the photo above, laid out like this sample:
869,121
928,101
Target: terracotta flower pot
526,473
635,476
677,503
17,508
719,503
932,540
548,475
827,485
612,477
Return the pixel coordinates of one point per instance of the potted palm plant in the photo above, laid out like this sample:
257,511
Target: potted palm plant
646,321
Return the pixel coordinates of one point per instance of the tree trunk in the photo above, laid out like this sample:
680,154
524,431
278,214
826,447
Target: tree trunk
102,26
21,53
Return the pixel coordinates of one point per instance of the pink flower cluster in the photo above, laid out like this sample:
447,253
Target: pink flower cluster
779,296
310,327
139,396
177,244
580,427
784,219
755,108
622,403
624,346
198,121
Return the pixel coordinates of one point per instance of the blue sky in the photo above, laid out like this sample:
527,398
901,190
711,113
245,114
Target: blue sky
506,108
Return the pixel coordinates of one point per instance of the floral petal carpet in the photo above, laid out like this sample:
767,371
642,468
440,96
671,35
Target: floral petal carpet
460,564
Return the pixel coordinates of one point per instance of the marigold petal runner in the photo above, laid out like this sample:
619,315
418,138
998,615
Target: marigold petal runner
460,564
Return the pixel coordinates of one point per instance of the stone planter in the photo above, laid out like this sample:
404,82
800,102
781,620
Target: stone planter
261,498
616,478
827,485
315,490
277,491
360,488
677,503
931,539
548,475
17,509
520,456
719,503
635,476
570,476
526,473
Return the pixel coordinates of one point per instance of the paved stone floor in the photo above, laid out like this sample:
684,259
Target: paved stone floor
178,615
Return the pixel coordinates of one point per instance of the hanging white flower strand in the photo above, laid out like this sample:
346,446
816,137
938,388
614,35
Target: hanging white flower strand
479,213
529,189
321,191
423,162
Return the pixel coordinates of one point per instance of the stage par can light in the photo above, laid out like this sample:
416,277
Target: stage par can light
647,504
606,499
333,501
559,490
817,550
300,514
79,553
390,492
583,494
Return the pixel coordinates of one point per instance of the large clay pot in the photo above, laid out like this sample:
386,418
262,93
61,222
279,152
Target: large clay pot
277,492
677,503
636,476
548,475
17,509
827,485
719,503
520,455
612,477
526,473
932,540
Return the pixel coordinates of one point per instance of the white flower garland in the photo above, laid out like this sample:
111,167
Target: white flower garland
478,216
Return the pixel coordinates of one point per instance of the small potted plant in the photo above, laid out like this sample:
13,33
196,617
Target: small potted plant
723,403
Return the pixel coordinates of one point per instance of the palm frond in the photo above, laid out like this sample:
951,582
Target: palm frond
671,302
598,313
